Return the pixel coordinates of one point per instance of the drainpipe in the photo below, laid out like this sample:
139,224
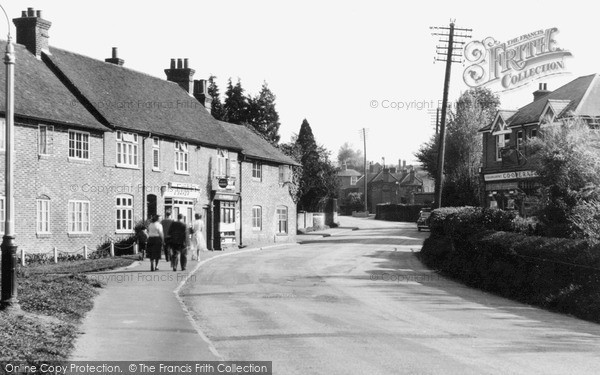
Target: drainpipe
144,203
241,211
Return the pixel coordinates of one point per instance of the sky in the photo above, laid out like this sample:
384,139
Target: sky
342,65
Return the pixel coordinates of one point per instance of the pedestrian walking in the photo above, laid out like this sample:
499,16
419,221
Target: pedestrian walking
166,223
142,238
179,240
198,241
155,242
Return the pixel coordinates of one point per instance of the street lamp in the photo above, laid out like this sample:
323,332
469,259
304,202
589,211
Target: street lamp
9,249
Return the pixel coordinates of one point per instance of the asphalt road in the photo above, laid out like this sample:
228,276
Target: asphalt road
362,303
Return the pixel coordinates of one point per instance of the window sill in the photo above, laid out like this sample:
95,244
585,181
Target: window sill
79,235
44,156
43,235
156,170
282,234
182,173
124,232
256,230
79,161
125,166
256,179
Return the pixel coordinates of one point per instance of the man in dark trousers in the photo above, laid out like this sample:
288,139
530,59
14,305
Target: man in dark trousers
179,237
166,223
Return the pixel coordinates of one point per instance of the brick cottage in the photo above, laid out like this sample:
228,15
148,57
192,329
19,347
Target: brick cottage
99,147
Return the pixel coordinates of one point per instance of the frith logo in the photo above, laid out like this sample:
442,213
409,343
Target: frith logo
516,62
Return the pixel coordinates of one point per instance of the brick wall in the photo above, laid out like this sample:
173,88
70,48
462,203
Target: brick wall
268,194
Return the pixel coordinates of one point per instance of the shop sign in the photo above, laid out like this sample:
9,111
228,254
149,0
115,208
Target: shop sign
170,192
509,175
226,197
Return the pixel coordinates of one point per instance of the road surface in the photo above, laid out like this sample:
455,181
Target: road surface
362,303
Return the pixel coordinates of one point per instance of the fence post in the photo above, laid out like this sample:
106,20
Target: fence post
55,254
112,249
135,247
23,257
85,252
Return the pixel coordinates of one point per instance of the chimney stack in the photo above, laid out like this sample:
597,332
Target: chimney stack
182,75
115,58
201,93
32,31
541,92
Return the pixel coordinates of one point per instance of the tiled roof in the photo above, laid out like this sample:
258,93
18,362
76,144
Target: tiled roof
132,100
255,146
348,173
574,91
39,94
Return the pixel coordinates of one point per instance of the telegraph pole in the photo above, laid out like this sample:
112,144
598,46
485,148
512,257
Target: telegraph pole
363,134
446,53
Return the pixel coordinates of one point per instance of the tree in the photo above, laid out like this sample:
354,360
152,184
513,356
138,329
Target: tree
353,158
235,108
464,147
565,156
262,114
318,181
217,110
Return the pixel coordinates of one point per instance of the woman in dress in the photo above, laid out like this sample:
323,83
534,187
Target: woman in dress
155,242
198,241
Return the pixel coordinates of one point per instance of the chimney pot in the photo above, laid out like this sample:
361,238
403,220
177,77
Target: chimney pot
114,53
541,92
38,13
179,64
172,63
30,12
24,14
185,63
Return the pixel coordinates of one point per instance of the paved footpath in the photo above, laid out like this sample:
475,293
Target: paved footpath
139,315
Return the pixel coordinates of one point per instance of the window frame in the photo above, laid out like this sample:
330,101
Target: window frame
182,158
500,145
49,136
257,218
126,149
71,223
520,138
85,135
282,210
256,170
39,219
353,180
155,154
121,213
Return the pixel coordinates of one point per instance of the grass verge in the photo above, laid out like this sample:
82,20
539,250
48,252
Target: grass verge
53,298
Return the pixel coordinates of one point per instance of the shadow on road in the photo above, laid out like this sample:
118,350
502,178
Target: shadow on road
427,286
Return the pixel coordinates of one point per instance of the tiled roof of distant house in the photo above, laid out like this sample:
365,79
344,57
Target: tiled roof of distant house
348,173
40,95
255,146
578,97
132,100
